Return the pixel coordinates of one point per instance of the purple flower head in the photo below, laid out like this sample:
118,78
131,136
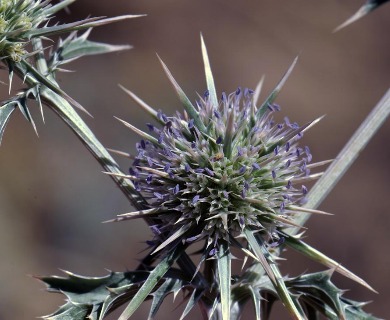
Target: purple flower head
222,167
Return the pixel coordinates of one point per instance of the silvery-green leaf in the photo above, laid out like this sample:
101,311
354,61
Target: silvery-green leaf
70,311
95,297
75,47
317,290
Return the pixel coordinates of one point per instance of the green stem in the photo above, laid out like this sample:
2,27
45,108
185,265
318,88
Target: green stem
78,126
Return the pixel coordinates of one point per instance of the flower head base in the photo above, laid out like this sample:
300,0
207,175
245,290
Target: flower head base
244,171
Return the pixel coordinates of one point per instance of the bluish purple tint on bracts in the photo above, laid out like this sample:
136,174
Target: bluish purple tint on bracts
194,184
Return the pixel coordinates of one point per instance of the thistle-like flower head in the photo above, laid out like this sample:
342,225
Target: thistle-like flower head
232,168
221,168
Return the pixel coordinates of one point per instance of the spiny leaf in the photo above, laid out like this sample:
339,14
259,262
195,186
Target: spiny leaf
316,290
76,47
95,297
369,6
319,287
354,311
89,293
256,298
209,75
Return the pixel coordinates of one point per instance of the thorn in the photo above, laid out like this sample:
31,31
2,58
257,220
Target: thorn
365,9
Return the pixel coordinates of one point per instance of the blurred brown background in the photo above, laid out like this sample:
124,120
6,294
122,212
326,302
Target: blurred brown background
53,195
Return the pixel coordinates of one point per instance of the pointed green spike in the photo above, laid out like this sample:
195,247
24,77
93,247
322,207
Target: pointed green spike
144,135
258,89
142,104
39,100
189,107
22,104
209,74
316,255
225,273
177,234
271,98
